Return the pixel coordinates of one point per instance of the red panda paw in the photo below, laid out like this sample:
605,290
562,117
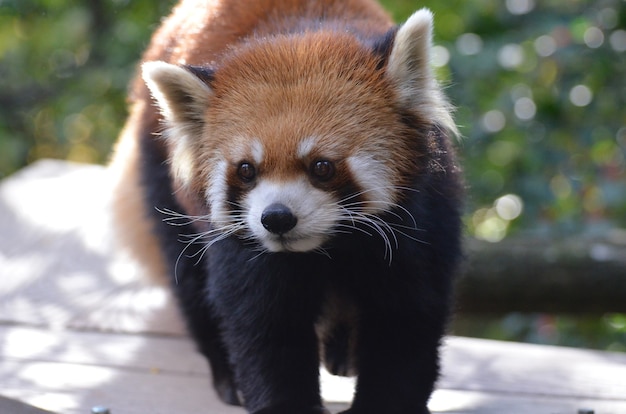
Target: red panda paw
353,411
291,410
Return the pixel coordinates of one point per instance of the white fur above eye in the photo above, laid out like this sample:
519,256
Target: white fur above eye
258,151
305,147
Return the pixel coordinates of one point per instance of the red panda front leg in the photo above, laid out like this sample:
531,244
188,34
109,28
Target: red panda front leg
398,365
404,307
268,306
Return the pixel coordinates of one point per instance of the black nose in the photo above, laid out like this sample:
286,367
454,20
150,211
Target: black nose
278,219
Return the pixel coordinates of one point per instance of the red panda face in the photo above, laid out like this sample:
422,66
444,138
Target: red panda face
295,139
308,140
297,200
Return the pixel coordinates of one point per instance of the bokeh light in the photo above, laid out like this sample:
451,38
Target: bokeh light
593,37
525,108
618,40
492,224
509,207
545,45
493,121
469,44
520,6
580,95
440,56
511,56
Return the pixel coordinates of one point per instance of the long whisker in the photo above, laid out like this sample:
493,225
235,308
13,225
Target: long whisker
367,216
384,187
179,216
261,253
365,204
379,228
220,231
390,221
200,253
322,251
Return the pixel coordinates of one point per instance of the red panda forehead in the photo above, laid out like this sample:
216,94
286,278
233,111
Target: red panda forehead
292,60
324,93
281,91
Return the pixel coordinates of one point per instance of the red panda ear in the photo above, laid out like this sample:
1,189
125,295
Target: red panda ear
409,67
183,98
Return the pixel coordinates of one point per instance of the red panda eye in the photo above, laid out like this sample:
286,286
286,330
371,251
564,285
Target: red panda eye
246,171
322,170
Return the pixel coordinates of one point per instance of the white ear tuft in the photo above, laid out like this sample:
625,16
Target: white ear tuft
181,95
183,99
410,68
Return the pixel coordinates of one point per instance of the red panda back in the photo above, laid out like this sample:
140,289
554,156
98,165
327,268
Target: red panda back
199,32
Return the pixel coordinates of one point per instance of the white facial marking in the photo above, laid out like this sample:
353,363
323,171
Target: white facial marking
182,158
257,151
216,194
373,177
316,211
305,147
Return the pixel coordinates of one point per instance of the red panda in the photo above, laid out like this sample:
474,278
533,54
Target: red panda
288,163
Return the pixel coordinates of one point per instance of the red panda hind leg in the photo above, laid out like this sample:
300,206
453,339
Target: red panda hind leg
133,227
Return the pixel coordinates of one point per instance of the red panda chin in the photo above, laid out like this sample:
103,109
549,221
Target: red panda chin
277,244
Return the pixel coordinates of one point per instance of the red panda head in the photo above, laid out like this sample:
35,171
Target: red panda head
294,139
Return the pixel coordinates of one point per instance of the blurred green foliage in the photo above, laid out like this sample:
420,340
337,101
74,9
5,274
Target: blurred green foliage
540,91
64,70
539,88
607,332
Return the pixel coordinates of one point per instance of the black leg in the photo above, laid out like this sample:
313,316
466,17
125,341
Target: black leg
203,325
402,320
268,306
207,336
398,367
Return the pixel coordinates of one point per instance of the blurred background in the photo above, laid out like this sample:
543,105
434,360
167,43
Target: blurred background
539,87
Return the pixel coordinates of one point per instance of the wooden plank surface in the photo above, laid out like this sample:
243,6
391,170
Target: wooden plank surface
60,264
70,371
81,325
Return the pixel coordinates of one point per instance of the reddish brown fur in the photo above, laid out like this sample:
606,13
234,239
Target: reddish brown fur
358,110
202,32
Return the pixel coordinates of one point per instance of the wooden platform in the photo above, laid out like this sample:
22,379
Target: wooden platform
80,326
